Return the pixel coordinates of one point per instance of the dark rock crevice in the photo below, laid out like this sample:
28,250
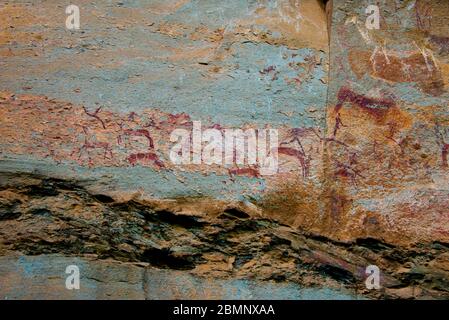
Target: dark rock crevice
74,222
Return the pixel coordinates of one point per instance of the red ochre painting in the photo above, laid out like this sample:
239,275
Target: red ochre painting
235,149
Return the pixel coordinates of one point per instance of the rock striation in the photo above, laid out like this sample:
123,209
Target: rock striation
86,170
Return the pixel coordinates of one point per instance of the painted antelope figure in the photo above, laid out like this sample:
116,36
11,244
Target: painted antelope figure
145,158
295,135
348,170
251,171
95,115
378,108
90,145
140,133
298,154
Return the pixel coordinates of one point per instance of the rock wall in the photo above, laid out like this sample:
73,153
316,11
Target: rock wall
86,175
387,121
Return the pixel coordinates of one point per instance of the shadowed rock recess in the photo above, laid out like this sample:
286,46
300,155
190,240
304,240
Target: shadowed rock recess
86,177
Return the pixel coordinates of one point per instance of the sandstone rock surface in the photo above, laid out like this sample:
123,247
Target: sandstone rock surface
86,175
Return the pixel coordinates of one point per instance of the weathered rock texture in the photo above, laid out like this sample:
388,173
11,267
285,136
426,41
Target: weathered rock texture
86,178
388,121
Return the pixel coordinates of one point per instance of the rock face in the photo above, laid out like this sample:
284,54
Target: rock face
387,108
104,279
87,175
